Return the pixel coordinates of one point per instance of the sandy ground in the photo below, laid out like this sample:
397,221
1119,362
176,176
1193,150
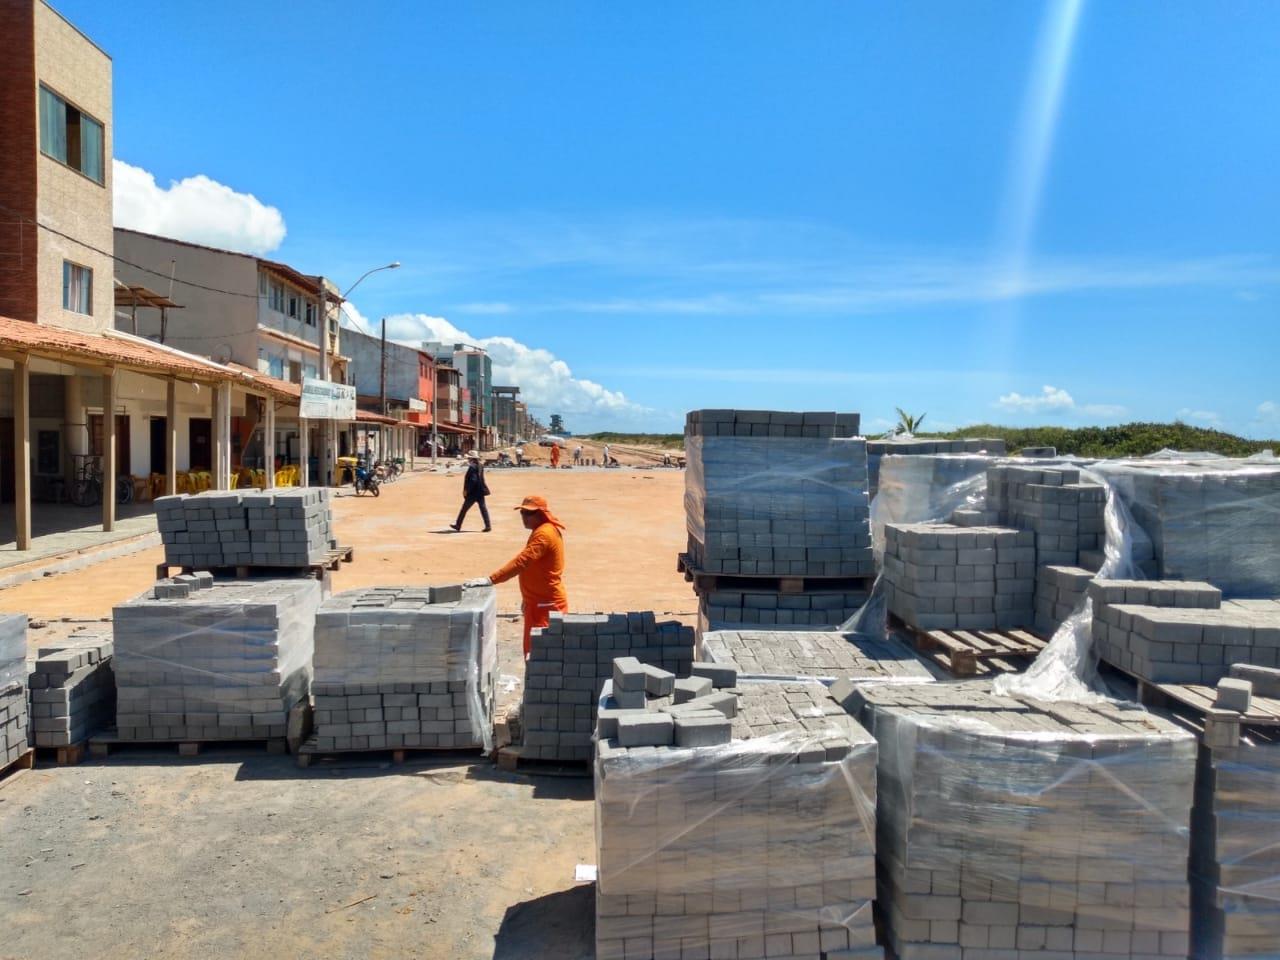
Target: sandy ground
241,854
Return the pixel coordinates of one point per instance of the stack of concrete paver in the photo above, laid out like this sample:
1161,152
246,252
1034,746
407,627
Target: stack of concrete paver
777,494
944,577
1171,631
227,661
732,821
1217,521
1060,592
1009,827
762,654
274,528
569,661
920,448
405,667
1065,513
725,609
1235,859
73,690
13,687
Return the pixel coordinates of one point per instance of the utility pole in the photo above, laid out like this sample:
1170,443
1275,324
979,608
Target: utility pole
382,386
435,410
322,324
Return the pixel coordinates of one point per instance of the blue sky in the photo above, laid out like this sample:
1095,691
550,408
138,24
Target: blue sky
1013,212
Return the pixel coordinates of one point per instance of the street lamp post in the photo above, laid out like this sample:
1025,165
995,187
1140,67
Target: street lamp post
327,445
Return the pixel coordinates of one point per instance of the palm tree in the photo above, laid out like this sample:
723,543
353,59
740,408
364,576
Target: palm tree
907,423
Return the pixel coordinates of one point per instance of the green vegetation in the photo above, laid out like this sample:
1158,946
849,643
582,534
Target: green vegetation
907,423
666,441
1125,440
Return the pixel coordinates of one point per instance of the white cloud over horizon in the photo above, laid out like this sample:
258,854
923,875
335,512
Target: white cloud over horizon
197,209
546,382
1055,400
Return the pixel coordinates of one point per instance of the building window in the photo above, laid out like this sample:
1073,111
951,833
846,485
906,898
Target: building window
311,314
293,306
70,137
77,288
275,297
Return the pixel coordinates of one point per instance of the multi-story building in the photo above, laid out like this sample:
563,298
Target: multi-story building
476,369
82,403
260,316
507,414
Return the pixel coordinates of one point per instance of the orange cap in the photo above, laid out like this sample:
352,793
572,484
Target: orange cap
534,503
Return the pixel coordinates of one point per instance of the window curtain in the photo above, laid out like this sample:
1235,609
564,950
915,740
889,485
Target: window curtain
91,148
53,125
77,282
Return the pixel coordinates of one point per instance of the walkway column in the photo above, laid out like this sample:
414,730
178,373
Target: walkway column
304,452
215,435
171,437
269,443
22,452
108,451
226,436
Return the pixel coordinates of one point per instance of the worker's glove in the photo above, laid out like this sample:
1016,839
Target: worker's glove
478,582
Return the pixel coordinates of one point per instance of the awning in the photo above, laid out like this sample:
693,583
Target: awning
368,416
282,389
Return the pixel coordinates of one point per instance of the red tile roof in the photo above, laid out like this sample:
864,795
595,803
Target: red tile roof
274,385
107,349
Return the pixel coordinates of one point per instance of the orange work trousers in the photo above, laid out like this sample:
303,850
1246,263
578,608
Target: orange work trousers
538,614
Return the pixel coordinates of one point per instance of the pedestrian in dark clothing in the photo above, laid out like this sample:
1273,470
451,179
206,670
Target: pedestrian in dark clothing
474,490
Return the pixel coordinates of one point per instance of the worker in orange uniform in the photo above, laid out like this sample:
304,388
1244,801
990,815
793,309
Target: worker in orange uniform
555,456
540,566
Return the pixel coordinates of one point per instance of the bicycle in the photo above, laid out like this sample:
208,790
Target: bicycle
86,484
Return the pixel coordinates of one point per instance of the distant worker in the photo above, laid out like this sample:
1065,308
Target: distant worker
555,456
540,566
577,454
606,454
519,455
474,490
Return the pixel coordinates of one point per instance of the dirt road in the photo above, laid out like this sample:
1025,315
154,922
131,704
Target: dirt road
243,855
625,528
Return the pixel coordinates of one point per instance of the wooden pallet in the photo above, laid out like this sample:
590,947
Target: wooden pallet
1221,728
512,760
309,752
66,756
333,558
704,582
971,653
10,771
105,744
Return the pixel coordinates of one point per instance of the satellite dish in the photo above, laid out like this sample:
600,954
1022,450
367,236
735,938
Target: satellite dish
222,354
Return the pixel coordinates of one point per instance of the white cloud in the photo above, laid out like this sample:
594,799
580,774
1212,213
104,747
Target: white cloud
196,209
1056,400
484,308
1207,417
546,382
1268,409
1049,398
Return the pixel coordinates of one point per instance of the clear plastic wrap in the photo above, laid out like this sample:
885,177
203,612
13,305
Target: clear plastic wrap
916,488
1008,823
764,846
13,687
406,667
778,506
13,649
908,445
1235,861
1211,520
228,662
569,661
